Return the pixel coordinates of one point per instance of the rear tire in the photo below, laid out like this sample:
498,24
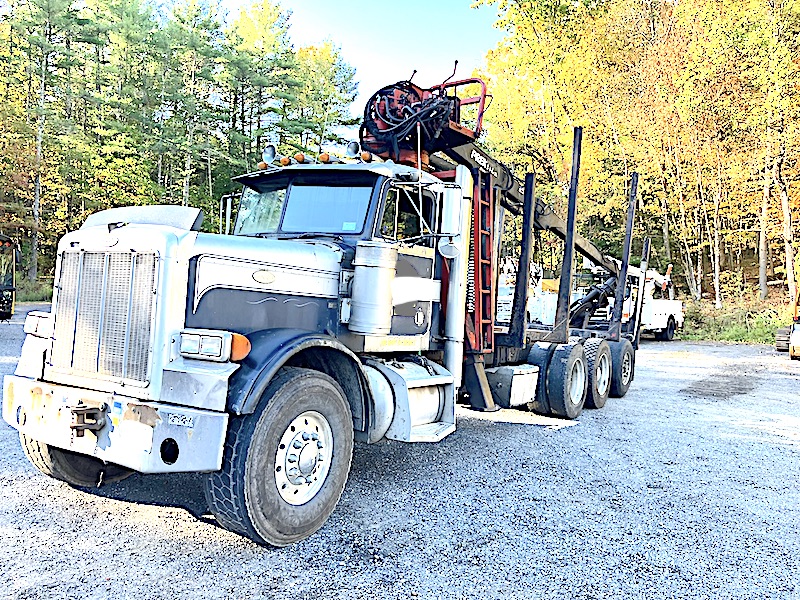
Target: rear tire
567,381
598,362
75,469
284,467
540,355
669,331
623,364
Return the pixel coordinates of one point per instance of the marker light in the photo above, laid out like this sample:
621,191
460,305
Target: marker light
300,157
240,347
262,166
324,157
285,161
366,156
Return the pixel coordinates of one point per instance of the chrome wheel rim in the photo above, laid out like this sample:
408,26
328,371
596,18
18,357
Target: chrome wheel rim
627,367
303,458
603,374
577,383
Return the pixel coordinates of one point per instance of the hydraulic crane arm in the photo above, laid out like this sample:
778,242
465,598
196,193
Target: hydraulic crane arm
545,218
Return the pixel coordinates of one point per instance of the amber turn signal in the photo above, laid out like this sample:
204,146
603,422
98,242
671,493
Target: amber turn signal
240,347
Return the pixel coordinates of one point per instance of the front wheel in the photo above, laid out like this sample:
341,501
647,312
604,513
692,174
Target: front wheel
75,469
285,466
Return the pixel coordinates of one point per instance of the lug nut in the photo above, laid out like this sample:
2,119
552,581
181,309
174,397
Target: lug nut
314,436
309,480
292,458
297,444
306,436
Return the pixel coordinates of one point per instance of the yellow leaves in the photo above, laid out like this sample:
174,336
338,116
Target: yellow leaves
261,28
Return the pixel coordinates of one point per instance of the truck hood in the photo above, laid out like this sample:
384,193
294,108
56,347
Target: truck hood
296,267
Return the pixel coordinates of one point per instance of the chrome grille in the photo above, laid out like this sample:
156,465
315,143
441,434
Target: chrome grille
105,313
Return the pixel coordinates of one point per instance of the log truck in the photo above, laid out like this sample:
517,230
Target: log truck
351,301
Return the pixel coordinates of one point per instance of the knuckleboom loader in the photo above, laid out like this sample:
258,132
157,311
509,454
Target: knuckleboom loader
352,301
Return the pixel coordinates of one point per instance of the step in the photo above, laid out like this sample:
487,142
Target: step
431,432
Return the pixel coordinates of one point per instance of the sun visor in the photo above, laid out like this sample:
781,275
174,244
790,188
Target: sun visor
180,217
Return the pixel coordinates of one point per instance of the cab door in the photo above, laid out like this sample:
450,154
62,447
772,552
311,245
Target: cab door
409,217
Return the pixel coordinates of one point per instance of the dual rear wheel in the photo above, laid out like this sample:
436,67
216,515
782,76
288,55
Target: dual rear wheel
576,375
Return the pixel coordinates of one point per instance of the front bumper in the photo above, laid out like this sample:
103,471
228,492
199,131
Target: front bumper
148,437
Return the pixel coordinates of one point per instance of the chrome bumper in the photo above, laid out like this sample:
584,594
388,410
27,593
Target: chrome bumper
148,437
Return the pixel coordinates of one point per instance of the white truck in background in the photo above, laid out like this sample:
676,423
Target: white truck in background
661,316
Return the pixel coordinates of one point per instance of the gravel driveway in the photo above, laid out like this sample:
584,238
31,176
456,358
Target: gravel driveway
685,488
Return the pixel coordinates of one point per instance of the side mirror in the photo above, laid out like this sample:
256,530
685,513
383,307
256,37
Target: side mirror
225,205
447,248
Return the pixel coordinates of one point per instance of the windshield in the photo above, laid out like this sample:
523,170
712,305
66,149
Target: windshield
303,203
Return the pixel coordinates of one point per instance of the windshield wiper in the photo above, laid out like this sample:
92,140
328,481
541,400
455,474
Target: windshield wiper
309,235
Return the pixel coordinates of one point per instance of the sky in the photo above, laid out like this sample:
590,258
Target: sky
386,41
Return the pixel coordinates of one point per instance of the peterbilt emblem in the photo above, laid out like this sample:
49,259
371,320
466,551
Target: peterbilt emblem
264,277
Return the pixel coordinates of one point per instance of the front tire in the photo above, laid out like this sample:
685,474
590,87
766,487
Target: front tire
285,466
75,469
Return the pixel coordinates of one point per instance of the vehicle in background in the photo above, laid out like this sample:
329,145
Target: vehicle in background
541,305
787,339
8,261
660,316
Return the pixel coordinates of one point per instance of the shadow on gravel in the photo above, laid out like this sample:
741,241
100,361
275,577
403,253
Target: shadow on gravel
722,385
178,490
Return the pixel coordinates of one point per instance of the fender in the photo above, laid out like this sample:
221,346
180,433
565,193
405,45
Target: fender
272,349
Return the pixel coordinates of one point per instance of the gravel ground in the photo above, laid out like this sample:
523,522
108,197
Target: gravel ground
685,488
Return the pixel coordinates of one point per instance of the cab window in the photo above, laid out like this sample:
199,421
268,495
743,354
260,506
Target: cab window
407,217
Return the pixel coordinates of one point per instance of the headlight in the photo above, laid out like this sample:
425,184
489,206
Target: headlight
209,344
190,343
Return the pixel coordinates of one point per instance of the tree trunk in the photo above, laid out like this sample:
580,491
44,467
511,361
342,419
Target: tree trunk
33,270
762,229
691,281
788,235
187,174
716,252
